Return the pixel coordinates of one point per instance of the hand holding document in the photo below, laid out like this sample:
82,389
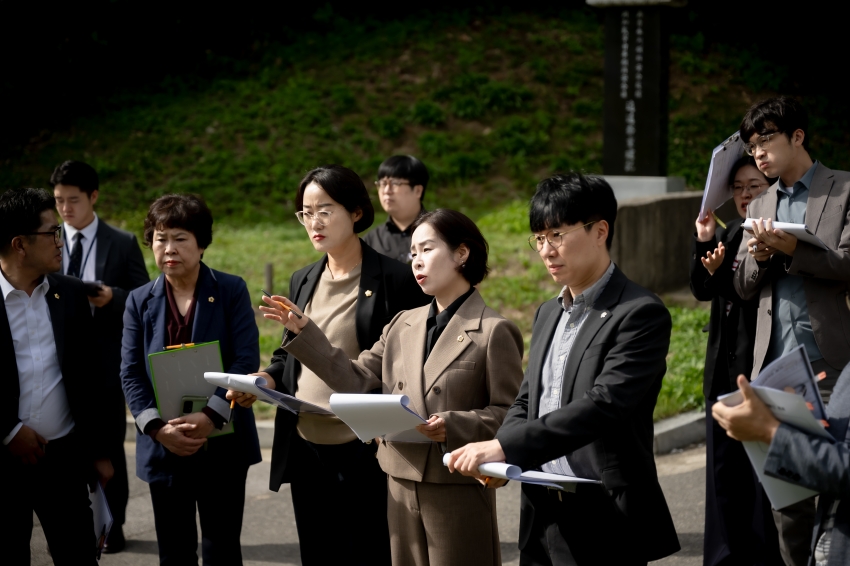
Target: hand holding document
799,231
717,189
256,385
505,471
371,416
788,388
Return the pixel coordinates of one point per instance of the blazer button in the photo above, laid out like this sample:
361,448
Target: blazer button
768,312
400,385
437,390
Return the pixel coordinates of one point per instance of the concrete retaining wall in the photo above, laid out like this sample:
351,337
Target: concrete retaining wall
652,239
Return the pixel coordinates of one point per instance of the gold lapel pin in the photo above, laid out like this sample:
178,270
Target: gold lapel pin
368,293
211,299
56,295
460,338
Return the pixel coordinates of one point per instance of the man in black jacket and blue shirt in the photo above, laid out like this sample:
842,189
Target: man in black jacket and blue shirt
585,405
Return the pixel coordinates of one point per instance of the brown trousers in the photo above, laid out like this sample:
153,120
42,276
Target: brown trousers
442,524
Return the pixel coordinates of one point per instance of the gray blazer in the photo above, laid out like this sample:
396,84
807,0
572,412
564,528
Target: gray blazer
820,465
827,272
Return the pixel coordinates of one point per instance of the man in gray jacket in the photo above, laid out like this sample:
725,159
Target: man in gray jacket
805,460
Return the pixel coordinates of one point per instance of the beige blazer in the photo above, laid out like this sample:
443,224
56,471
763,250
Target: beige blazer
470,379
827,272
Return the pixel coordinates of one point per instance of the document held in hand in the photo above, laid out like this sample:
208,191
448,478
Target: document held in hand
799,409
717,190
799,231
256,385
102,517
514,473
371,416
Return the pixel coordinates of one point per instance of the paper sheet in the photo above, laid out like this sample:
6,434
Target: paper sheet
371,416
800,231
791,409
717,189
102,517
256,385
794,371
515,473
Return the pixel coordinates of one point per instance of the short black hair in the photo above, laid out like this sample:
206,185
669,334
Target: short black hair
345,187
782,114
188,212
405,167
76,174
573,198
20,213
455,228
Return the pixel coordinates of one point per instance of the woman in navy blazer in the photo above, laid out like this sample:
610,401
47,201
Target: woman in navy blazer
190,302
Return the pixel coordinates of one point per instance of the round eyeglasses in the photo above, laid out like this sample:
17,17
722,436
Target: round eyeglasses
322,217
390,184
762,143
554,237
752,188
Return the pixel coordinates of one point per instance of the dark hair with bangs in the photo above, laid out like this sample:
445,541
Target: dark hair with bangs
782,114
743,162
20,213
188,212
76,174
405,167
573,198
345,187
455,228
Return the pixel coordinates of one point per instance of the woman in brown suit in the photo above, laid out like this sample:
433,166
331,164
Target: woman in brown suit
459,362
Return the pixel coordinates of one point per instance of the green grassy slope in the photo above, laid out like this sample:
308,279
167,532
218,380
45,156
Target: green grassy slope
490,105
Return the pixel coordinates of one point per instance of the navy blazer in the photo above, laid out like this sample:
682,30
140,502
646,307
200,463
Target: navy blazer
223,312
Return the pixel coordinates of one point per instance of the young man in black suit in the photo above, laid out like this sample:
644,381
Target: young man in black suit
97,252
585,405
49,418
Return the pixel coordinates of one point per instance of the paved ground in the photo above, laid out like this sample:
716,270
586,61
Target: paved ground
269,536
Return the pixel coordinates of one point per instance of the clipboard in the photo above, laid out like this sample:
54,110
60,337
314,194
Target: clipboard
179,373
723,158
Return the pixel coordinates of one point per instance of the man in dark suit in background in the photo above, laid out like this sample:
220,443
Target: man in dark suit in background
585,406
801,288
111,258
50,415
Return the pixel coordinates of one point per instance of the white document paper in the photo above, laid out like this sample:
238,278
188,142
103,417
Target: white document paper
793,371
800,231
256,385
102,517
717,189
371,416
515,473
791,409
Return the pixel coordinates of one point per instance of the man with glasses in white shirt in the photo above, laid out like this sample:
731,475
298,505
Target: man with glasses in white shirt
49,419
401,184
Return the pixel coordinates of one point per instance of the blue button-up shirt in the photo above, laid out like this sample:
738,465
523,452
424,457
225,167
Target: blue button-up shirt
573,316
791,325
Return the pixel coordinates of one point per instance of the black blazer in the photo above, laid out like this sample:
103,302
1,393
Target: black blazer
730,337
71,319
119,264
604,426
387,287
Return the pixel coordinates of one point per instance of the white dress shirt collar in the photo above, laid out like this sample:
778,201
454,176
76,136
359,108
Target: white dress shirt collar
7,287
89,232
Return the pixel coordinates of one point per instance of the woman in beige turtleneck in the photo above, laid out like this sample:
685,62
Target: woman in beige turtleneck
339,493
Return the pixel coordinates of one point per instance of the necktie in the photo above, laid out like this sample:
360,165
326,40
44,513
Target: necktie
76,256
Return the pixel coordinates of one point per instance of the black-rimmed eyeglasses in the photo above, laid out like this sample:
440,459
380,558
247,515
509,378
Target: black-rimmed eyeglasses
57,234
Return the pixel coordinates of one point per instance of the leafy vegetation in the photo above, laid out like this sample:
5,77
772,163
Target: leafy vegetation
490,104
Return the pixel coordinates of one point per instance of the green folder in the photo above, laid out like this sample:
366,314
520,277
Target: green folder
179,373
